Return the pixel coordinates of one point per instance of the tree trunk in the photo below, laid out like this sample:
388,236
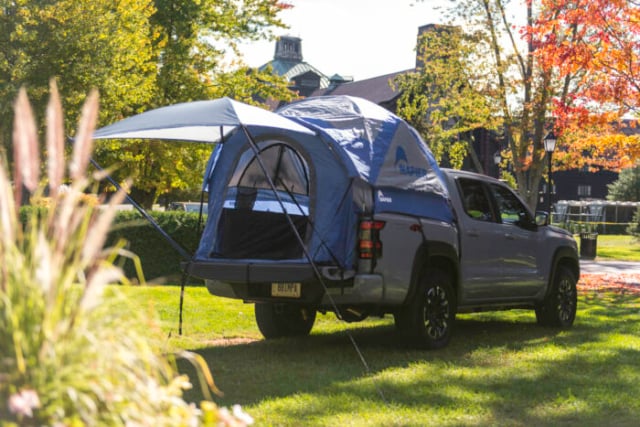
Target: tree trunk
473,156
529,187
144,198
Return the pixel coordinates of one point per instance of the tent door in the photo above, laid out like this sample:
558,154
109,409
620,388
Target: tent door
252,223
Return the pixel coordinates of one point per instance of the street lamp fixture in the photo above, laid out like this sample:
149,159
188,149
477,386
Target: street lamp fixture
497,158
549,146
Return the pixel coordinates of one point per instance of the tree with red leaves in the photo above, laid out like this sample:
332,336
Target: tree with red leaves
593,47
557,64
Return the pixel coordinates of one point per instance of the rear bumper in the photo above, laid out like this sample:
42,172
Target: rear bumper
252,280
249,272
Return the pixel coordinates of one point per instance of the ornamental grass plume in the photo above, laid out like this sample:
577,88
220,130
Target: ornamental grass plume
73,352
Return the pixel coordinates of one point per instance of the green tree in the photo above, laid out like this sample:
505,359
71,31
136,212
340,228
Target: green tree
84,44
196,35
627,187
518,85
194,38
139,54
518,89
441,98
545,62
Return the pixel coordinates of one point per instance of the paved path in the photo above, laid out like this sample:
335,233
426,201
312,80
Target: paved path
605,267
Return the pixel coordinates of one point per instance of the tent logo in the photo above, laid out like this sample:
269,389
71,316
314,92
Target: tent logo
384,199
402,163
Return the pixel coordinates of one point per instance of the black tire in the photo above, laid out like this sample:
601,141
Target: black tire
428,320
284,320
561,303
401,321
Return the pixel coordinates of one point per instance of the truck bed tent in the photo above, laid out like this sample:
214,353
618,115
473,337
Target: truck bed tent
246,219
363,160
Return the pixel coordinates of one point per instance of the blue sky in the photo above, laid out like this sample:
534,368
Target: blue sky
358,38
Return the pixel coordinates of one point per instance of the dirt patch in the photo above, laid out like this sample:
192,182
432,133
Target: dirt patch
225,342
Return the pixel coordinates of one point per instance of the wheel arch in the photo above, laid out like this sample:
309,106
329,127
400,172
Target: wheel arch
434,255
564,257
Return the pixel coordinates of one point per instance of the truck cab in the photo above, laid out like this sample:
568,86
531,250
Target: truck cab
508,258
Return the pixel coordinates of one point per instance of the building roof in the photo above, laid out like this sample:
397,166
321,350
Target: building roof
376,89
291,69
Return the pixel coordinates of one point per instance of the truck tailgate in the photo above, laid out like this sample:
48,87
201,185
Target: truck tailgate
249,271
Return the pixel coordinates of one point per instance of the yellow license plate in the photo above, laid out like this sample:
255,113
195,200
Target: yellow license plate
286,290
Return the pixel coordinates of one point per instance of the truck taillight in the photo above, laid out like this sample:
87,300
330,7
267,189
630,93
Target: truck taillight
369,244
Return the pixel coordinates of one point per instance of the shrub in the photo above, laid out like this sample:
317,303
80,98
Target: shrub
634,227
627,187
160,261
71,353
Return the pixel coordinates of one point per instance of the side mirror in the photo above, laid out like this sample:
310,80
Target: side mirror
542,218
526,221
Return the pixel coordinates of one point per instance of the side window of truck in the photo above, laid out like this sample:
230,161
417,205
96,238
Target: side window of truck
512,210
475,201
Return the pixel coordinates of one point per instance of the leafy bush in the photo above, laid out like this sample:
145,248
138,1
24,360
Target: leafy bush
71,353
160,261
634,227
627,187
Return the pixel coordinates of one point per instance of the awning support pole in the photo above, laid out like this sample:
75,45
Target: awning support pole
183,253
175,245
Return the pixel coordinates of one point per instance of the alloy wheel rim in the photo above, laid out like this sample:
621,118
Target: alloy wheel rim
566,300
436,312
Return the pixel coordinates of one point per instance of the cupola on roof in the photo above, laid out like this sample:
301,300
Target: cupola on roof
287,62
288,48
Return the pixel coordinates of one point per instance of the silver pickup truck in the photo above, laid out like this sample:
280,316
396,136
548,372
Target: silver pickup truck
352,215
496,255
500,256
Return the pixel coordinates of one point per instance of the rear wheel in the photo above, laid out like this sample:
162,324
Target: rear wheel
428,320
284,320
560,305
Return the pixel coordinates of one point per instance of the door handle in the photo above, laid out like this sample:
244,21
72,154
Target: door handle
509,236
472,233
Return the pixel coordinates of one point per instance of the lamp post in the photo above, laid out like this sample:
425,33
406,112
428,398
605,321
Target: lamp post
497,158
549,147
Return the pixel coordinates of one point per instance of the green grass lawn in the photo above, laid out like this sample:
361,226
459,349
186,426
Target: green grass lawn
500,368
622,248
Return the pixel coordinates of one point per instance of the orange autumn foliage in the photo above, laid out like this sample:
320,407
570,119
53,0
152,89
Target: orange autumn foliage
609,147
593,47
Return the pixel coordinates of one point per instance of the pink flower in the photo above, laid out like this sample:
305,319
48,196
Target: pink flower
24,402
242,416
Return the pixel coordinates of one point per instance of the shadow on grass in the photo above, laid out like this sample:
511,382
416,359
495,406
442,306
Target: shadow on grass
501,368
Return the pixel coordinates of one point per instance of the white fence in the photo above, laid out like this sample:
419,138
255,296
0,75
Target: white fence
601,213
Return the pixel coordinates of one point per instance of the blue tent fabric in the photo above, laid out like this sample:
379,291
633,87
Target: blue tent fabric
381,149
330,206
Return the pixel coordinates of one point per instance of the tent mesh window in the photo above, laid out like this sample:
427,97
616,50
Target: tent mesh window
253,223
